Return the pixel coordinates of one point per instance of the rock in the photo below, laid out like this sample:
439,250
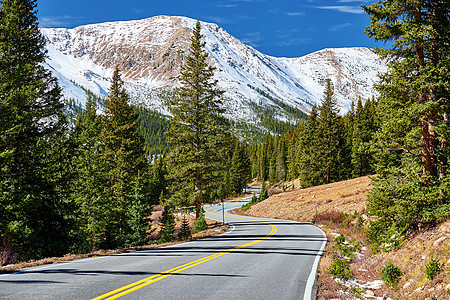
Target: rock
418,289
407,285
423,257
370,294
439,241
445,227
447,287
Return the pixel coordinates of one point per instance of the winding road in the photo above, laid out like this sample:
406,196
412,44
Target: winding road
256,259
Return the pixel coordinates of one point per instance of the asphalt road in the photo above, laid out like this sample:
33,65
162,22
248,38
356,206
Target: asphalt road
256,259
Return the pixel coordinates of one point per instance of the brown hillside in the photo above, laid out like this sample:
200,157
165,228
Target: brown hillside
341,209
300,204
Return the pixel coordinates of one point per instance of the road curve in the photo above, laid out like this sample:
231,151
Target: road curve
256,259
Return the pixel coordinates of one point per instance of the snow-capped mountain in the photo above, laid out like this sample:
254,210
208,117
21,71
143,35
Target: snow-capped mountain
150,53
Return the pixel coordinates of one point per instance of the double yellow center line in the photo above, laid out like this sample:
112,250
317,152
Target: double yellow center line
149,280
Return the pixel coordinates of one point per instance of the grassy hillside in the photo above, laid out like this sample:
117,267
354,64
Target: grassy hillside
340,208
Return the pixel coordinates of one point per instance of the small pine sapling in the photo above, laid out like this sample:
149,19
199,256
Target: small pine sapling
185,230
200,224
168,226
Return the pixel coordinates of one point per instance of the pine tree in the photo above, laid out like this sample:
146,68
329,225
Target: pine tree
88,192
123,158
308,155
329,126
167,232
240,169
263,195
200,223
413,108
185,229
31,116
362,136
198,130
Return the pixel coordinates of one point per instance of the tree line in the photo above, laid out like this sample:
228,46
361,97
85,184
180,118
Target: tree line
327,147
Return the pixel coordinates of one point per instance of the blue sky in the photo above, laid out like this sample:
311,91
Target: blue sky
288,28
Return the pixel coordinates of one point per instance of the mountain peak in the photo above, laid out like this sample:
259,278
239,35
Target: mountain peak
150,53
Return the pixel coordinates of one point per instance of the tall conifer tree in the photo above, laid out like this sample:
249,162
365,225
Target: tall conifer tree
198,130
240,170
123,158
329,126
30,117
308,156
413,107
88,190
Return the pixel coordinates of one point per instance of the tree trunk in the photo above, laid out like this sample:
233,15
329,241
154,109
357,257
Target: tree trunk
428,139
444,146
328,174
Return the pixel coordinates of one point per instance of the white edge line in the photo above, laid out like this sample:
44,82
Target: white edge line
308,295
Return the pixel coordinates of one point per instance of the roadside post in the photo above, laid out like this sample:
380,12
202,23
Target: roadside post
223,212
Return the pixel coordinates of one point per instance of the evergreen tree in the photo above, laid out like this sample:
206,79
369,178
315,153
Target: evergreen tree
88,192
330,135
240,169
308,155
198,130
413,108
123,159
137,215
362,136
167,232
263,195
200,223
31,116
157,181
185,229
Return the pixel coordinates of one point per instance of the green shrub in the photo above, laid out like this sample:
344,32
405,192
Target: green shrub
391,275
340,268
249,204
400,203
200,224
360,222
347,250
433,268
339,239
345,223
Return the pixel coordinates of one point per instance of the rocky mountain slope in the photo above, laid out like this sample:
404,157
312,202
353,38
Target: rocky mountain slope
150,53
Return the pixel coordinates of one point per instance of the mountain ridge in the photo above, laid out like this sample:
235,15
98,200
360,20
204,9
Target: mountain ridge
150,53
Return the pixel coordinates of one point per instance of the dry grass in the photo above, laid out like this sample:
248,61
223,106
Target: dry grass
300,204
341,208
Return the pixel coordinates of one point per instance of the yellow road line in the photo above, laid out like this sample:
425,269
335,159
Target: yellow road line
149,280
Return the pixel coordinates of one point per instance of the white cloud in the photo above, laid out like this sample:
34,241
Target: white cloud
340,27
344,8
293,41
360,1
58,21
252,39
295,13
219,20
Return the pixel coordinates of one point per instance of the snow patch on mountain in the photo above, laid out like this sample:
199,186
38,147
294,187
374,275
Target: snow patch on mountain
150,54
